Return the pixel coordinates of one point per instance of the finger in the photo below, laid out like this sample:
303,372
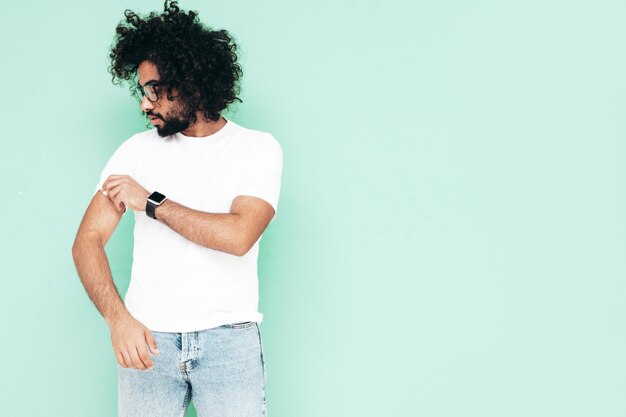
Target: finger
151,343
120,359
110,187
144,357
117,200
109,179
134,356
121,206
127,361
115,191
115,176
104,184
112,183
116,204
114,194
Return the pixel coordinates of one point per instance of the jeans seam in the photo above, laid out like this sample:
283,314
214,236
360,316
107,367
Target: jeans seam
263,397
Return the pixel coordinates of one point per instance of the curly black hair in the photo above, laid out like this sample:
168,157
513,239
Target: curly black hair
200,63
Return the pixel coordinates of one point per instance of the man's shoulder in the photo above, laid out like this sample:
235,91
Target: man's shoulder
254,137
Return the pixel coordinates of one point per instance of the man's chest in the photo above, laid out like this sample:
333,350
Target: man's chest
203,179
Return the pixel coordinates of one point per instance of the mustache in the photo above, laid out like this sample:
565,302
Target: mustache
153,114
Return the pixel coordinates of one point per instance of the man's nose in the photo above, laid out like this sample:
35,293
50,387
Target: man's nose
146,104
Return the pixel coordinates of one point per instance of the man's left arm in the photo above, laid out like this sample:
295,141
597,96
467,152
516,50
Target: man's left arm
234,233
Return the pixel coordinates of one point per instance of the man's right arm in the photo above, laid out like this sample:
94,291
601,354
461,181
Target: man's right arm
97,226
129,336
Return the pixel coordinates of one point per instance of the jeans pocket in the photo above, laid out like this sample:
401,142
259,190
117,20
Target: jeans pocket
242,325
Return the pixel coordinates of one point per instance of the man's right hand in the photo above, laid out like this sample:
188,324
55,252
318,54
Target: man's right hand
131,341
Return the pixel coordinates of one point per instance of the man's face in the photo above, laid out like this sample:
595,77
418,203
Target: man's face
168,116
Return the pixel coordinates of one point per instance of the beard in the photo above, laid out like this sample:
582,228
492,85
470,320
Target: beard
171,126
175,121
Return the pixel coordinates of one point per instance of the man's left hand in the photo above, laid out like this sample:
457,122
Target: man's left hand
124,191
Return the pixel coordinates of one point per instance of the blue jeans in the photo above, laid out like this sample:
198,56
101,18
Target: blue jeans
220,369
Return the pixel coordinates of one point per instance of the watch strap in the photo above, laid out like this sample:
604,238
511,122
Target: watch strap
150,208
154,200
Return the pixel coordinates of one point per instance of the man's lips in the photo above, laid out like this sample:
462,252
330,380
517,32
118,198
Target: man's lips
153,119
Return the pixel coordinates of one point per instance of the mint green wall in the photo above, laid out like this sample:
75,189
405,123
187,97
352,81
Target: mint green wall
451,231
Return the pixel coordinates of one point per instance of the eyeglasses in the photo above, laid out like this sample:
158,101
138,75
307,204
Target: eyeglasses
149,91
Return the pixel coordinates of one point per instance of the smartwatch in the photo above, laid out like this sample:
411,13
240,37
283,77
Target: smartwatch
154,200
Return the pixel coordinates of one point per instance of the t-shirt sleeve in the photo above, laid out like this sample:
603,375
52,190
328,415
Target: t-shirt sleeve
263,177
119,164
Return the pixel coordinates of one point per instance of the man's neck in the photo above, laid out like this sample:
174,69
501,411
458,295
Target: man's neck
204,127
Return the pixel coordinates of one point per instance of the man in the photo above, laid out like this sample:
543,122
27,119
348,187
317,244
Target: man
203,189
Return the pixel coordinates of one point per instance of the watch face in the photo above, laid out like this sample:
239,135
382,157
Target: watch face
156,197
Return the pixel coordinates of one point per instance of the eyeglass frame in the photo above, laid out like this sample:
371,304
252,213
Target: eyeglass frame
141,90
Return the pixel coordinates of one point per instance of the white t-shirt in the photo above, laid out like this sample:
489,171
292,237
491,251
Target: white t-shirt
177,285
